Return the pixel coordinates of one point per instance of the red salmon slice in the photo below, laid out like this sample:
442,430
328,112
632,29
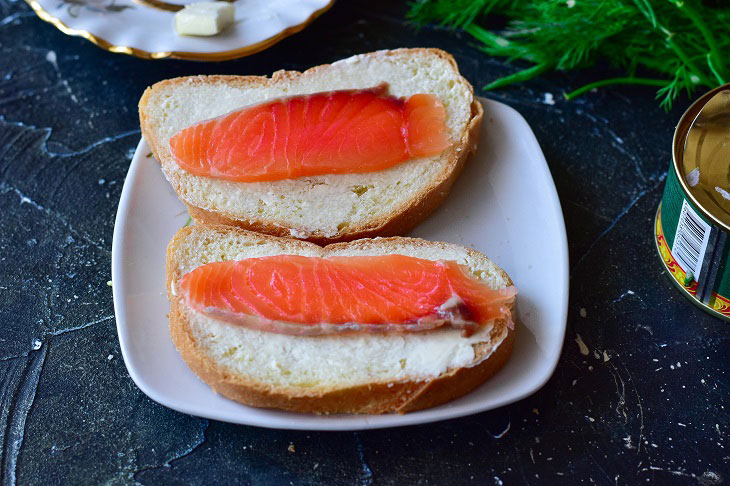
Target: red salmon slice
336,132
294,294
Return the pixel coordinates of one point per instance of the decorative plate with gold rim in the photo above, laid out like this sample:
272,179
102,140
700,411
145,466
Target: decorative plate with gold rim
145,28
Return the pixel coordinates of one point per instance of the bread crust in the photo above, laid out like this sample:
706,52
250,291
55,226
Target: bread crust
372,398
399,221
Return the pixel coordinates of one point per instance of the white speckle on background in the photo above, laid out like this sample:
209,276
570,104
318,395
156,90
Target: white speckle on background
37,344
504,432
548,99
51,57
625,294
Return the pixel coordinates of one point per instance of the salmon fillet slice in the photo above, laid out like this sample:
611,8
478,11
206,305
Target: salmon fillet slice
335,132
294,294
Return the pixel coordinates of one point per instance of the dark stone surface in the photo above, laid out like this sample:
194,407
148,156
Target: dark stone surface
646,404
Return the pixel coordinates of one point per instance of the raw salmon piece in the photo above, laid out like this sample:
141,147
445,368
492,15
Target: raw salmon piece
336,132
294,294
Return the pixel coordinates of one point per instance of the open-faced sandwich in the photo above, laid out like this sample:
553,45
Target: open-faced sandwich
371,326
367,146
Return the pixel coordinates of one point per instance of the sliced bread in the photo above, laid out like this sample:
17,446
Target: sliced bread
350,373
326,208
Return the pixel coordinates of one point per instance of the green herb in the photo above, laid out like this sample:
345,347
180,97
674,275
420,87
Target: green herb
682,44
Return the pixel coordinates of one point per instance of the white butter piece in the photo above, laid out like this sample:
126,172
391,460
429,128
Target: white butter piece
204,18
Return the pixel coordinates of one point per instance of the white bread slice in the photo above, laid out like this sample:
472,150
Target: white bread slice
326,208
352,373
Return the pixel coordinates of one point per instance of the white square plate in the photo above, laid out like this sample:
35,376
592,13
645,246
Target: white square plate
503,204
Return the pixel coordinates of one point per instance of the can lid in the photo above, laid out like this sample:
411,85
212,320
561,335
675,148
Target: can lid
702,154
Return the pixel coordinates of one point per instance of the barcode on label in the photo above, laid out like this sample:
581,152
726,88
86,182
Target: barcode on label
690,242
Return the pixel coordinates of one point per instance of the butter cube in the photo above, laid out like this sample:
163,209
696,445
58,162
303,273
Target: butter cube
204,18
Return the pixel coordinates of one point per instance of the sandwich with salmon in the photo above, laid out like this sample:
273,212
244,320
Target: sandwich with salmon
384,325
367,146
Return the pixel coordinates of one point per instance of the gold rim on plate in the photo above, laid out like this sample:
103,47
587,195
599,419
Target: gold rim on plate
193,56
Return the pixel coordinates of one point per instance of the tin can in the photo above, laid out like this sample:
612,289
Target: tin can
691,231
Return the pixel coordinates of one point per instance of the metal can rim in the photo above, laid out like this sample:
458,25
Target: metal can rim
680,134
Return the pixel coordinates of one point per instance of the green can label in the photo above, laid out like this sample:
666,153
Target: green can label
693,249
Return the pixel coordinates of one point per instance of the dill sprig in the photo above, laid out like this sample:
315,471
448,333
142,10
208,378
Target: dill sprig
681,44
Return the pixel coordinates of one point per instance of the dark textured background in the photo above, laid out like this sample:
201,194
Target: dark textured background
647,402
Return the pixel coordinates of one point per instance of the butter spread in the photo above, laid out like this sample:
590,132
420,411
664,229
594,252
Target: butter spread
204,18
